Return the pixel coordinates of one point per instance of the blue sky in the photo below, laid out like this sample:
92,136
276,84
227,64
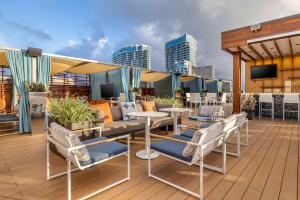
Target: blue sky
95,28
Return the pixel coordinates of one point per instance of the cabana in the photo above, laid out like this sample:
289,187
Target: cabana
272,42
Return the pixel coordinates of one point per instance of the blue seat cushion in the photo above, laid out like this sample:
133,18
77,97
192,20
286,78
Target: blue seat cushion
172,148
101,151
189,133
8,118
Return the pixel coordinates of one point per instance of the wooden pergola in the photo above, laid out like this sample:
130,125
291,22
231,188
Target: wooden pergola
267,40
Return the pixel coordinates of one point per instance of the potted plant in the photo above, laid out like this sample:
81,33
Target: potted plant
134,92
72,113
37,97
177,103
248,105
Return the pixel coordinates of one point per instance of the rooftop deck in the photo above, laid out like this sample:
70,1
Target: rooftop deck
267,169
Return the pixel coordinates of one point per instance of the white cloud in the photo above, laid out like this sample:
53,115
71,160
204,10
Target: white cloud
149,33
100,45
211,8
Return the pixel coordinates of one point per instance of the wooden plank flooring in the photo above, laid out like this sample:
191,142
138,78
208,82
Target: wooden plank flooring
267,169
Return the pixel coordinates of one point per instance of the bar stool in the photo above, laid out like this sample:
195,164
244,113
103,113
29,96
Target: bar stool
265,98
291,99
188,99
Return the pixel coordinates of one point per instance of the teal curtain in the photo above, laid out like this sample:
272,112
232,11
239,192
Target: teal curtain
43,69
136,77
125,81
20,65
96,81
115,78
14,97
175,84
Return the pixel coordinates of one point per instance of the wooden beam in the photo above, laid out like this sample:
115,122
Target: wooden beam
290,45
266,50
236,81
244,52
277,48
256,52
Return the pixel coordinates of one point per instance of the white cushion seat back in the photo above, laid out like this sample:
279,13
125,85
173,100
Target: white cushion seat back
265,97
202,137
195,98
206,135
224,98
68,139
241,118
229,123
291,98
211,110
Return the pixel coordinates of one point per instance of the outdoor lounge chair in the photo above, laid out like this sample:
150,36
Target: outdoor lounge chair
173,147
85,154
231,127
9,118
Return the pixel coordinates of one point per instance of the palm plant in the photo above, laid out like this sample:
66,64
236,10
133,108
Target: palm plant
168,100
68,111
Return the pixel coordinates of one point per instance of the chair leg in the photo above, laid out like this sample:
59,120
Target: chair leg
201,174
69,177
283,112
48,161
238,143
167,129
247,133
224,158
259,110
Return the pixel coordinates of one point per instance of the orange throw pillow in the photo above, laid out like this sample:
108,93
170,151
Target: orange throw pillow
103,106
149,106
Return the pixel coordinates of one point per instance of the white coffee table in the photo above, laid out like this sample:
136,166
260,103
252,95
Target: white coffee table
175,112
143,154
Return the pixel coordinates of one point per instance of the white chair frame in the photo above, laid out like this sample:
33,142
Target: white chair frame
292,111
75,161
246,143
200,148
260,107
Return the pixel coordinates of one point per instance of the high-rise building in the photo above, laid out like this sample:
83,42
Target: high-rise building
180,50
138,55
207,72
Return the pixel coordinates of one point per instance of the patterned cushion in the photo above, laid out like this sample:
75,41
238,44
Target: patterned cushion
68,139
128,107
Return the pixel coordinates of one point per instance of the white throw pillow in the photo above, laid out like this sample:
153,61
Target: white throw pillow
128,107
68,139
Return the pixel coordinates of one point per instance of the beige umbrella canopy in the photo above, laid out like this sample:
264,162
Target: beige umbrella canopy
153,76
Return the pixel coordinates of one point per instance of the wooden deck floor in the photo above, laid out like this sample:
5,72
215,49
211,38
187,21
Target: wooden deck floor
267,169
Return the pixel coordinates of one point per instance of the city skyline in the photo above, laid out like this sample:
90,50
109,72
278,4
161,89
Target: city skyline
96,33
137,55
181,54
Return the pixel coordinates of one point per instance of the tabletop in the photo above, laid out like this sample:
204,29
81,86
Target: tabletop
205,119
148,114
176,110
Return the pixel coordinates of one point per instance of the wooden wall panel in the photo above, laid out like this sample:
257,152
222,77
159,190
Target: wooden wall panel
286,63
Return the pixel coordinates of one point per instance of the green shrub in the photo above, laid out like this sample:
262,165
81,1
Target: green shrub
169,100
68,111
35,87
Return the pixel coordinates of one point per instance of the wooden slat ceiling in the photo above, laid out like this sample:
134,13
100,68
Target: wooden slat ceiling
269,49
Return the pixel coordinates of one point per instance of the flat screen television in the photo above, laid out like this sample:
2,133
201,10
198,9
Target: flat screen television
107,90
264,71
